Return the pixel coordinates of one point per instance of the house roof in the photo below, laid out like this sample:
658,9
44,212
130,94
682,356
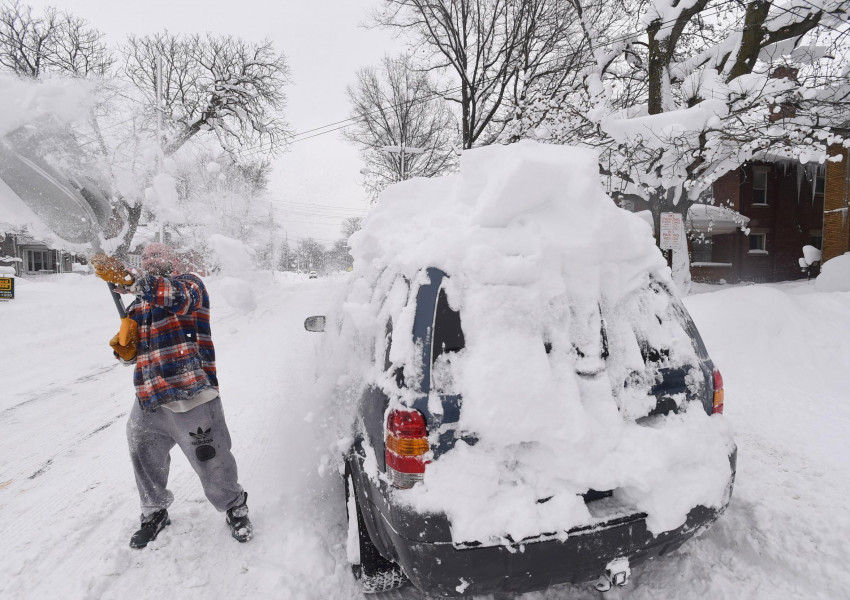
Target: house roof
706,218
717,220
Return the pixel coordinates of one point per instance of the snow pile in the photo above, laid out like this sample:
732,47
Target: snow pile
537,254
835,275
811,255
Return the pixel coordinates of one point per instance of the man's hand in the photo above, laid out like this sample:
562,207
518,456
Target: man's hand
127,351
111,270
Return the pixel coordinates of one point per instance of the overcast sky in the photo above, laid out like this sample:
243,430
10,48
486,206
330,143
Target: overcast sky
324,45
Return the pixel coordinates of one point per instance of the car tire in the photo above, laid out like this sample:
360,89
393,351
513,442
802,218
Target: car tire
375,573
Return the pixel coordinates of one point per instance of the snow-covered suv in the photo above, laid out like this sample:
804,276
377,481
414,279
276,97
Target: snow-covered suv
530,403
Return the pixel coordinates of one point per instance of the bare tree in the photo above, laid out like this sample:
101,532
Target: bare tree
339,257
80,50
54,42
350,226
286,257
310,255
396,107
497,49
221,84
551,56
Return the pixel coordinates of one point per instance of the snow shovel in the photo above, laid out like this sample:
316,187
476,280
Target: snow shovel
63,203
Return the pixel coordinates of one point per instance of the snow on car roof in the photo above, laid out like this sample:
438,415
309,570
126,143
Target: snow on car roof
514,213
535,249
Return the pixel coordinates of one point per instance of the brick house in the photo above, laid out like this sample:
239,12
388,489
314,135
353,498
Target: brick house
789,206
785,204
836,226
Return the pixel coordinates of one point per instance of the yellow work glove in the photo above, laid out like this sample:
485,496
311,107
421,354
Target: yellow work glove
111,270
127,351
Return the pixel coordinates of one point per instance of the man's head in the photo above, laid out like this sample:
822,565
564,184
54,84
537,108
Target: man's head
159,259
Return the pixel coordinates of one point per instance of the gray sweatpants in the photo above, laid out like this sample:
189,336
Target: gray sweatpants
201,434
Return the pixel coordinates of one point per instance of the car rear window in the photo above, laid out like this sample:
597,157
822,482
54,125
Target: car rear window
448,340
448,334
664,329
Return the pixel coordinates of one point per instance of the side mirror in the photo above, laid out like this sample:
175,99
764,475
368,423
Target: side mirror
315,324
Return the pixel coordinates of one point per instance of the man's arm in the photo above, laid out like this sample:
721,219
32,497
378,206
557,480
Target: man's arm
181,295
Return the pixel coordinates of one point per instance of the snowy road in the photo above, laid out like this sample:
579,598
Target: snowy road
68,503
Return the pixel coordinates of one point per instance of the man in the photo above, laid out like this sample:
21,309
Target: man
167,336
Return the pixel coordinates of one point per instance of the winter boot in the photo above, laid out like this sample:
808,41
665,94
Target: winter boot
150,528
237,517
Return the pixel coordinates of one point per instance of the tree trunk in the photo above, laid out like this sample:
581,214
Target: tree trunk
656,63
133,215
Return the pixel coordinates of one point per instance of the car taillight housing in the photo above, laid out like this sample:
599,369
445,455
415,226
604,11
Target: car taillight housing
406,445
718,393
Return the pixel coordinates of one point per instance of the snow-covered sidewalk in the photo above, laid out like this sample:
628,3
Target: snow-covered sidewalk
68,502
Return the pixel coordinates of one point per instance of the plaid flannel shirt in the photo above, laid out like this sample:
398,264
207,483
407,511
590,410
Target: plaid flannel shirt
175,356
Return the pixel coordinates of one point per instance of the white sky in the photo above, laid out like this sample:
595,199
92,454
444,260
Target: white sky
324,45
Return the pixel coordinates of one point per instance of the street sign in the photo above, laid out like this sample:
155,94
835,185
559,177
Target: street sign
672,229
7,288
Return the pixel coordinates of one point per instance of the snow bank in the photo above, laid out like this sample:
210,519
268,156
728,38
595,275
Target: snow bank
835,275
537,253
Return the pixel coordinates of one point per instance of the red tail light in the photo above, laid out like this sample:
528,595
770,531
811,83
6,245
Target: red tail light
406,444
718,393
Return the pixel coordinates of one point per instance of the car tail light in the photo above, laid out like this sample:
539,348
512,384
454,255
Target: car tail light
406,444
718,393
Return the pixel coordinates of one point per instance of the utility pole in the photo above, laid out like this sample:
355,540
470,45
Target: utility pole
159,157
403,150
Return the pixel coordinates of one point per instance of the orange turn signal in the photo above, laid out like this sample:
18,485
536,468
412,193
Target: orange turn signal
407,446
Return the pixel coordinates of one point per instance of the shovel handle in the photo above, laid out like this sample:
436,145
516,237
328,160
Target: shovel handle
119,304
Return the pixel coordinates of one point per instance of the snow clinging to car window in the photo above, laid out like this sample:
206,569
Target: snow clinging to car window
552,282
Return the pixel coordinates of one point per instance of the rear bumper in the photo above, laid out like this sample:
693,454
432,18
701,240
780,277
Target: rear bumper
444,570
440,568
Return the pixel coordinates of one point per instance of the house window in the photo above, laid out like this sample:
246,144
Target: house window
816,238
759,187
758,243
37,260
702,250
820,185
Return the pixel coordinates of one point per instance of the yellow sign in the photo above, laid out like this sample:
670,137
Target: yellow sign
7,288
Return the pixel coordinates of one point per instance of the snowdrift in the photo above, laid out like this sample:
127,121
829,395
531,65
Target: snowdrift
835,275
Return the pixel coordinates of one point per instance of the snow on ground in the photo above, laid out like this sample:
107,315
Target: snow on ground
68,503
